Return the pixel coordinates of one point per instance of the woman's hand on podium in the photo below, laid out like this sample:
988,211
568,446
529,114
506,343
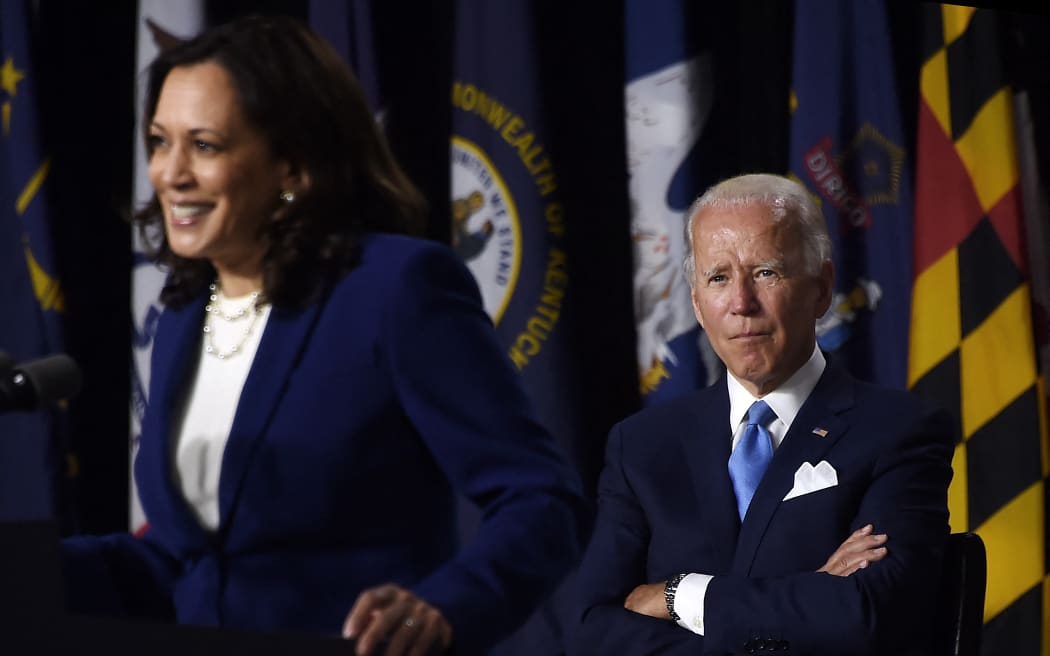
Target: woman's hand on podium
411,625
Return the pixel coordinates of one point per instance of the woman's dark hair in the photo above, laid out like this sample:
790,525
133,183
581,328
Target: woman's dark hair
296,90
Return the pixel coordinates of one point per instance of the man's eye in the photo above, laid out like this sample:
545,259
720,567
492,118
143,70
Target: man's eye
716,280
767,276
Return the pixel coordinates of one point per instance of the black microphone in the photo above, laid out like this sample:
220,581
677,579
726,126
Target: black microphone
36,383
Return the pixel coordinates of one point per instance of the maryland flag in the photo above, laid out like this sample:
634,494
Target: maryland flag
972,348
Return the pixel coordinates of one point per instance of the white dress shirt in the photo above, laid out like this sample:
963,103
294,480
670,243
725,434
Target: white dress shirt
785,401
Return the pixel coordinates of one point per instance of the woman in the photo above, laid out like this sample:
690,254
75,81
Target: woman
320,387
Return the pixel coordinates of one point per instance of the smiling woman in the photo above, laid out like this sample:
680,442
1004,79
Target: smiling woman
215,178
310,419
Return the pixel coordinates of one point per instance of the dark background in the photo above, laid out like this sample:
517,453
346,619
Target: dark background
85,63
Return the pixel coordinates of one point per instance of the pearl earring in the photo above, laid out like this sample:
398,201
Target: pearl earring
288,196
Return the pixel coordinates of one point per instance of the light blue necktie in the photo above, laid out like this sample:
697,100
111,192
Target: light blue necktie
752,454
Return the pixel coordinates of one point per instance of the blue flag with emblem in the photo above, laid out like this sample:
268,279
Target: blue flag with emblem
848,149
668,101
31,298
509,225
508,221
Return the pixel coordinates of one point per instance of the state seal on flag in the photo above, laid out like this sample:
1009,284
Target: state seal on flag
486,231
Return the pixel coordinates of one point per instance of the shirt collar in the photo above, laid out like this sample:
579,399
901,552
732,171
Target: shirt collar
785,400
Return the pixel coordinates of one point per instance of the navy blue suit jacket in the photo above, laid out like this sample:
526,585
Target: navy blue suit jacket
666,505
361,416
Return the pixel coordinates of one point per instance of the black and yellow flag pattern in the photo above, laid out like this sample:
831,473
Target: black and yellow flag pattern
972,347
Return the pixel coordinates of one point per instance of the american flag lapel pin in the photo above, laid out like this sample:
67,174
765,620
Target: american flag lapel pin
820,432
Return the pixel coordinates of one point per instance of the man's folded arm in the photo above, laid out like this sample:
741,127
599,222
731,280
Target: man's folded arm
876,609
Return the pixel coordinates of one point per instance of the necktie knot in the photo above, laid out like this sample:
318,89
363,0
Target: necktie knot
760,414
752,454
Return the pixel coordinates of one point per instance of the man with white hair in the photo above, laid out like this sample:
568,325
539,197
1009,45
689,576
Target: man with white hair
787,508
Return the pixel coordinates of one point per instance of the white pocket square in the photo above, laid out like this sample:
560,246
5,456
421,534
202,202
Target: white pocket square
811,479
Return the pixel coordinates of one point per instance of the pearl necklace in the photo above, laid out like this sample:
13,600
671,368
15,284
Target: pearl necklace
215,308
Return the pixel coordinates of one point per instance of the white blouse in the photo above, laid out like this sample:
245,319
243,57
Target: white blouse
211,402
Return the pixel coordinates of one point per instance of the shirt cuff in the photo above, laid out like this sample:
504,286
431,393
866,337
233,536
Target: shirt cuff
689,602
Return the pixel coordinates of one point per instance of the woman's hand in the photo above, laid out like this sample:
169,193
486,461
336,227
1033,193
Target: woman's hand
413,626
857,552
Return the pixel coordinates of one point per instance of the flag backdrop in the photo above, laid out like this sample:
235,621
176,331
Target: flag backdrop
668,100
32,445
847,148
509,225
972,347
508,220
347,25
161,23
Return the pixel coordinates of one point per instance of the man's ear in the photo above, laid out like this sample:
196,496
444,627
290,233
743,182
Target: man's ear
693,295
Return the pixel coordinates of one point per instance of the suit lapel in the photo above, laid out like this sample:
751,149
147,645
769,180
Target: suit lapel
283,341
832,395
175,353
707,446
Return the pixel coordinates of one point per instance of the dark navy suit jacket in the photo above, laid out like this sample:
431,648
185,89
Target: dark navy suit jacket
666,505
361,416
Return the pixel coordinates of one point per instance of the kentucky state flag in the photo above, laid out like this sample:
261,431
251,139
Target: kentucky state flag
508,221
509,226
31,445
668,100
847,148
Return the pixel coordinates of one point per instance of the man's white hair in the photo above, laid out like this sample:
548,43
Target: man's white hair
785,199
